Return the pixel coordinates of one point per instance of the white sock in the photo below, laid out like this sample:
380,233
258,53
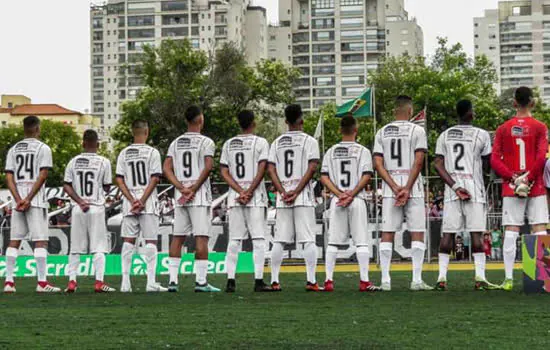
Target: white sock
258,253
232,257
417,252
509,253
310,256
174,268
201,270
276,261
540,233
40,255
330,262
443,266
72,269
99,266
151,253
126,256
386,250
363,257
479,262
11,257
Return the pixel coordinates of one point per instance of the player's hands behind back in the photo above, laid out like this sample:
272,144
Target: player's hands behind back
345,199
23,205
463,194
402,197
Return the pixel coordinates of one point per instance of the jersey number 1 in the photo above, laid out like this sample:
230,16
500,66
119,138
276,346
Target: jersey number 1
521,145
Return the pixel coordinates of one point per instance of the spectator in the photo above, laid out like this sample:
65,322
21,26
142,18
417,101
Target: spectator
434,211
459,248
487,245
496,244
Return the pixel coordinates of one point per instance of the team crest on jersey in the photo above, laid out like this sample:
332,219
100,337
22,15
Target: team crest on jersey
132,153
455,134
340,152
391,130
22,146
518,131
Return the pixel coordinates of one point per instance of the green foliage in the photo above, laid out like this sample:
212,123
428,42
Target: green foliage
62,139
506,105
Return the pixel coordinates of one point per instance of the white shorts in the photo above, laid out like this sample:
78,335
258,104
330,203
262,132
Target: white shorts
414,211
31,225
514,210
89,229
192,221
351,221
295,224
246,220
147,224
466,216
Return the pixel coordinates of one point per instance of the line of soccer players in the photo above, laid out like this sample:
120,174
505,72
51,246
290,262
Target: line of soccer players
462,154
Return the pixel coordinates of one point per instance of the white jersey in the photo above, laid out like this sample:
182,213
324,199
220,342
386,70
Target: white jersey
188,153
137,163
463,147
345,163
547,174
398,143
291,154
25,160
87,174
241,155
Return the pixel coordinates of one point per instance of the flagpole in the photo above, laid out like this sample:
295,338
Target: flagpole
427,237
375,190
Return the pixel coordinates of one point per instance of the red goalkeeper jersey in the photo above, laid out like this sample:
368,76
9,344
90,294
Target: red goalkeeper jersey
521,145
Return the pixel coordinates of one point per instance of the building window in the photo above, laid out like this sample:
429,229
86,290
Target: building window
404,31
10,104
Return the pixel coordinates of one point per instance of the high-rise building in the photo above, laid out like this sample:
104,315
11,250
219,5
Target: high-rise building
334,43
121,28
516,38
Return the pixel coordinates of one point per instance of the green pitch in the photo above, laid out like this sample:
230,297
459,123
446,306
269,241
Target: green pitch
460,318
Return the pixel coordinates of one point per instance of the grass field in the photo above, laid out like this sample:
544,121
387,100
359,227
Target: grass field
399,319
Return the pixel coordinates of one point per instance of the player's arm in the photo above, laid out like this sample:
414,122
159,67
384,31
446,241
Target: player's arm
205,173
496,158
69,190
439,165
153,183
226,175
272,171
124,189
327,182
310,172
419,156
10,183
262,165
168,171
379,166
42,177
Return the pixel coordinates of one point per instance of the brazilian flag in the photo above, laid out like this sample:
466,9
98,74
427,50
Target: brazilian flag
361,107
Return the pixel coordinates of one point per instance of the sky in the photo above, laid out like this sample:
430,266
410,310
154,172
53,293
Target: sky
45,45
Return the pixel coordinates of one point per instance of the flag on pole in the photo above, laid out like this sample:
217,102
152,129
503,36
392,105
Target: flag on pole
361,107
420,119
319,128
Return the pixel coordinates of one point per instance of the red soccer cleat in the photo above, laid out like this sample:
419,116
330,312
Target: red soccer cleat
9,287
329,286
101,287
312,287
71,287
276,287
366,286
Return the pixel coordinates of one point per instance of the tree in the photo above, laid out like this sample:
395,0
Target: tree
62,139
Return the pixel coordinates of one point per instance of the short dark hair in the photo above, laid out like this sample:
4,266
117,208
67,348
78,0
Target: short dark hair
523,96
192,112
402,100
293,113
30,123
246,118
347,124
463,107
90,136
140,124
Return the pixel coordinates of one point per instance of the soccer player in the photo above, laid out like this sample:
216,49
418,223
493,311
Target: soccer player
519,156
27,167
138,173
399,150
87,178
462,153
293,160
243,165
346,171
188,165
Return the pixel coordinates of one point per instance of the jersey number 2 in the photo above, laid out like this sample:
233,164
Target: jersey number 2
459,149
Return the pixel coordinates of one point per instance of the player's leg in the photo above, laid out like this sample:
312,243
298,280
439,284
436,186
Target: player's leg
284,234
200,220
79,245
37,221
359,227
416,221
513,212
129,232
392,219
338,234
453,221
150,229
237,232
99,246
181,229
537,213
255,219
18,232
305,235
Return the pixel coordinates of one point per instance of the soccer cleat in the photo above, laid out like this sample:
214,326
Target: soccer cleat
206,288
420,286
485,285
329,286
71,287
231,286
507,285
441,286
46,287
9,287
155,287
260,286
101,287
386,286
366,286
172,287
312,287
276,287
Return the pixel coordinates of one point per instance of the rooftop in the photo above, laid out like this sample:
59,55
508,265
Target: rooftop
41,109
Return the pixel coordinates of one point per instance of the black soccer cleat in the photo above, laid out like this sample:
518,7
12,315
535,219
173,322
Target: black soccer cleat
231,286
261,287
172,287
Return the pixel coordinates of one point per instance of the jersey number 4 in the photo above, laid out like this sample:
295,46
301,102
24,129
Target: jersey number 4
396,152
